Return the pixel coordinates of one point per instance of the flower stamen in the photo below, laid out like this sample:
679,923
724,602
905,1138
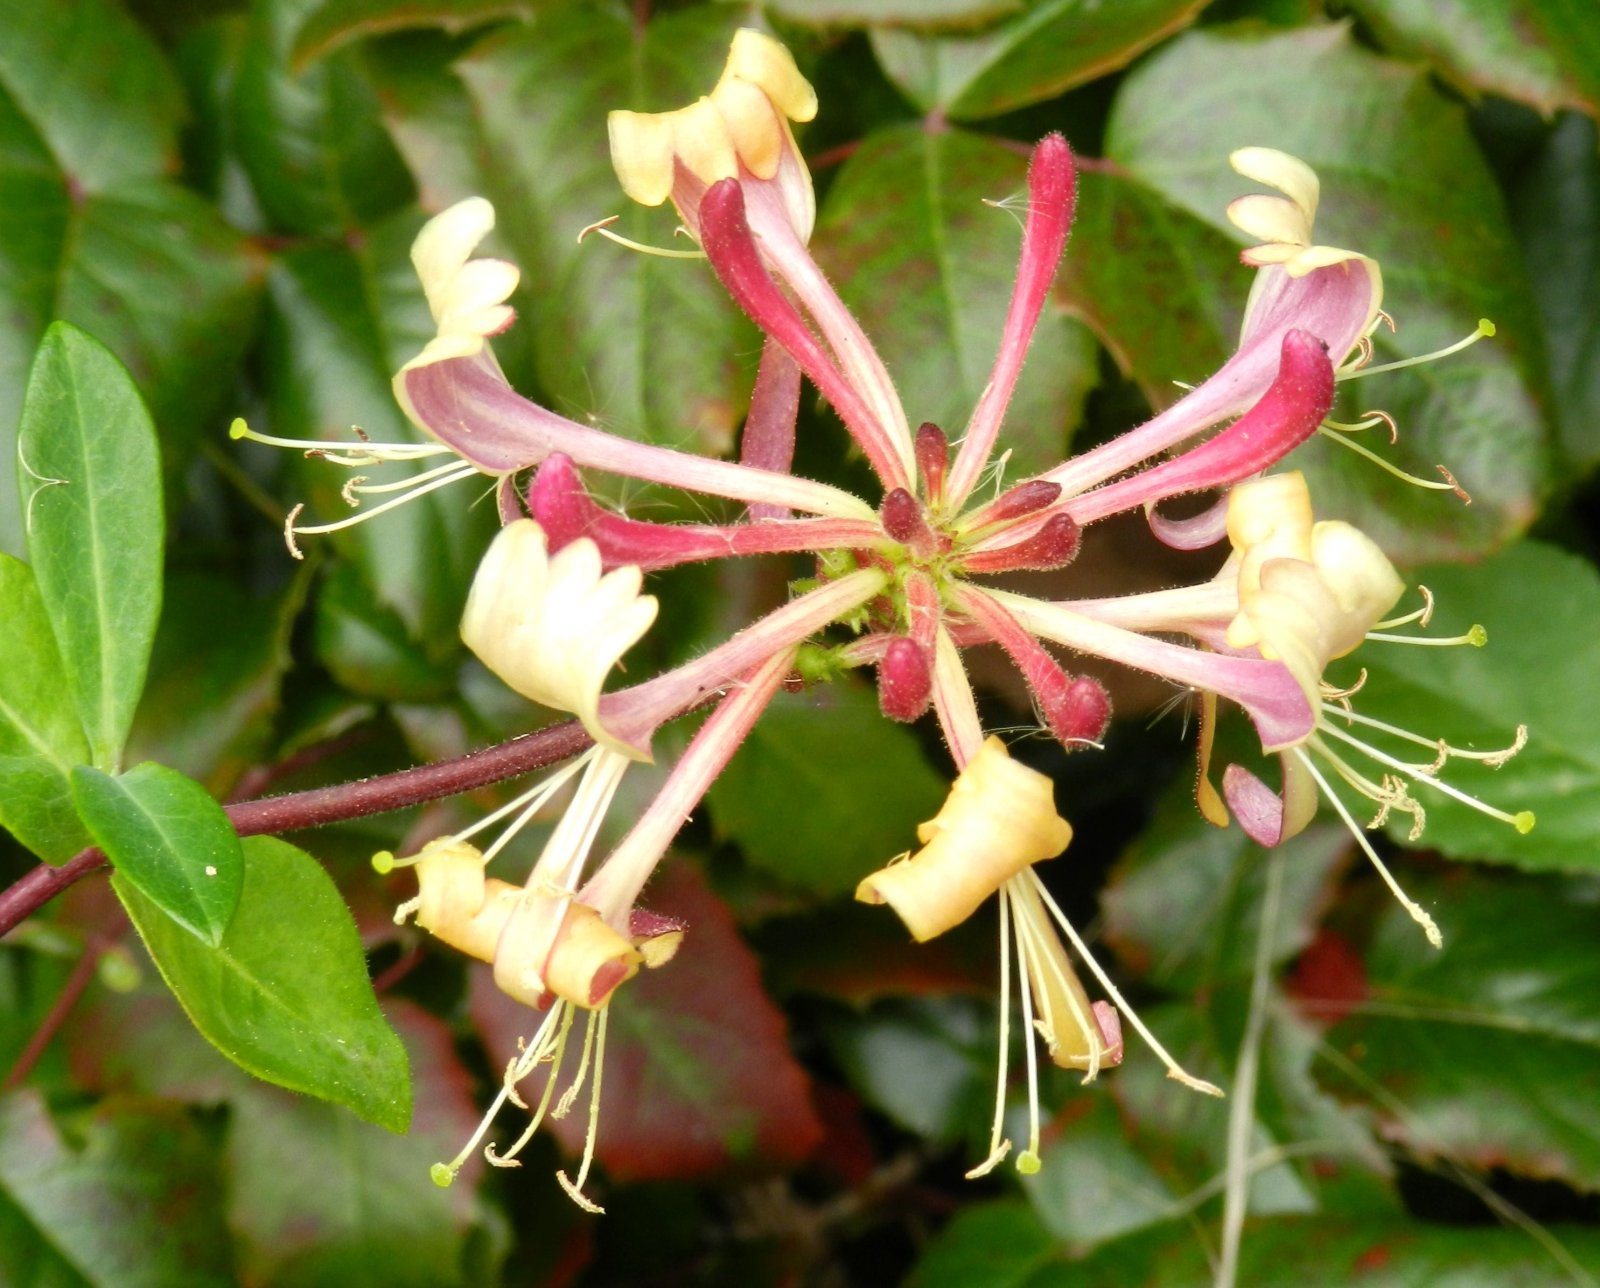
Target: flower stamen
1355,371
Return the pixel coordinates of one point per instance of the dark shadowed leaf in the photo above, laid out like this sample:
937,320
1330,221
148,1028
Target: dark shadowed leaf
1541,607
1162,290
305,1019
910,13
326,25
825,790
646,347
999,1245
1487,1051
1184,906
1556,208
1545,53
699,1079
94,526
127,1195
1417,195
94,233
311,142
929,274
341,321
169,840
208,704
1046,49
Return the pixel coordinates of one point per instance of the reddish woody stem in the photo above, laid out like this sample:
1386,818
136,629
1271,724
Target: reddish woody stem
321,805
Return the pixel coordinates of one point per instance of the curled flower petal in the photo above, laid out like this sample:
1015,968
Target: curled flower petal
552,627
999,819
466,296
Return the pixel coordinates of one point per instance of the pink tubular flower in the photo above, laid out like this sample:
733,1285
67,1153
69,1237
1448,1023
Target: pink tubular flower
899,576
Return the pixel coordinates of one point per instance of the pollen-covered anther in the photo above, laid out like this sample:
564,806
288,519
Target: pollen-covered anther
998,820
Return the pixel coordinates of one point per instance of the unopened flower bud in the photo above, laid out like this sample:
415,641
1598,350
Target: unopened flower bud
905,680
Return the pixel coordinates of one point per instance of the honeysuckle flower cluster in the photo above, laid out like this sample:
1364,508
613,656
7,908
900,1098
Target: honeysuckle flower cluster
901,582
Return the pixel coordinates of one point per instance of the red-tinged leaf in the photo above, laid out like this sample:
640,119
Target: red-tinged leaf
698,1077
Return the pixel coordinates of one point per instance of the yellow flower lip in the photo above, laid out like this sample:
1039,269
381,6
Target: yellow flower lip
998,820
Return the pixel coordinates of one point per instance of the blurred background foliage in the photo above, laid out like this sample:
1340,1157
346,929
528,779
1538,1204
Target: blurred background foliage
224,195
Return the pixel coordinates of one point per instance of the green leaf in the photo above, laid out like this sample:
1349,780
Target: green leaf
327,25
1484,1051
928,1063
97,87
1556,207
907,13
285,995
96,234
998,1245
366,648
1124,237
126,1196
1541,608
322,1199
312,142
209,701
647,347
699,1077
41,736
1185,901
1043,51
1289,1252
167,839
1418,196
929,274
1545,53
87,452
825,790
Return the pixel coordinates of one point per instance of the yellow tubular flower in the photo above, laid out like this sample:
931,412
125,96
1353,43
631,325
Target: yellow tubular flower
458,904
739,131
998,820
551,626
1308,592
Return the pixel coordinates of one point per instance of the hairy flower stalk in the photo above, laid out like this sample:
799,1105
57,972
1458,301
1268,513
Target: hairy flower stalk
900,583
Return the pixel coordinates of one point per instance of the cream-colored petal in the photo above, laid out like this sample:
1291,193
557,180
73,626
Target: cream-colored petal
757,58
1288,174
1270,219
553,628
641,154
466,296
999,819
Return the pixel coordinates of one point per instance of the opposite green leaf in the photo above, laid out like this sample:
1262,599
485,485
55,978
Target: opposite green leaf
169,840
286,994
41,737
91,476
